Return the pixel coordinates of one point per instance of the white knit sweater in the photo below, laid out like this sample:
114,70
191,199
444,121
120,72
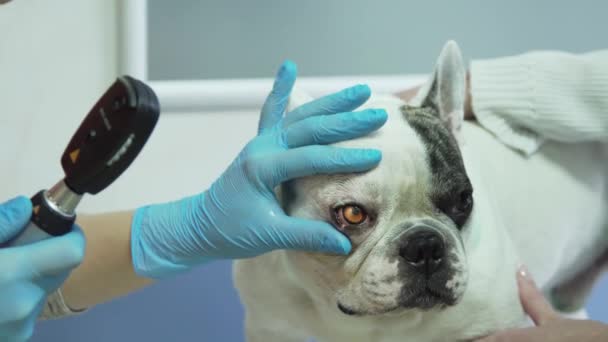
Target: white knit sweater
529,98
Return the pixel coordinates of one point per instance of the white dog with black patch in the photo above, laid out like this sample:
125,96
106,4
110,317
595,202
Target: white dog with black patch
438,230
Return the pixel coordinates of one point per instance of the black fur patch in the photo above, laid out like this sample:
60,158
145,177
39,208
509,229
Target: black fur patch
450,184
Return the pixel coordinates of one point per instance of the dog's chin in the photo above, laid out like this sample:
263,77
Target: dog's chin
424,300
428,299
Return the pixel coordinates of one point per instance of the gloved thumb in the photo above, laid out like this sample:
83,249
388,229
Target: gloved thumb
51,256
313,236
14,215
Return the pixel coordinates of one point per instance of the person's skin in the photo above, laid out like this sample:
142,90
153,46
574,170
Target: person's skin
549,325
106,271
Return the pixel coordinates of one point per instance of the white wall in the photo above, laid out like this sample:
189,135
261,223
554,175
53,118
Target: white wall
244,38
56,58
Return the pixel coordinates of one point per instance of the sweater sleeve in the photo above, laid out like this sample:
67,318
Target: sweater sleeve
527,99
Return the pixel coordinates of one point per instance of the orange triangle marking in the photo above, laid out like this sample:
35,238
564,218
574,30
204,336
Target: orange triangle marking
74,155
36,209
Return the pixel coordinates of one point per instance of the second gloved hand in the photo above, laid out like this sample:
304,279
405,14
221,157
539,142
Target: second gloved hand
239,216
29,273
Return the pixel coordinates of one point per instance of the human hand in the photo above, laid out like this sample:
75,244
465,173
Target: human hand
29,273
550,326
239,216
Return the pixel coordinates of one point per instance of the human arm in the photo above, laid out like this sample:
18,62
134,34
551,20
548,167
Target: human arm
106,271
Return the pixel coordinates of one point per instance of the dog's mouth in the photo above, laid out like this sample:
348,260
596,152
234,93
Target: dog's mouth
351,312
424,299
348,311
429,298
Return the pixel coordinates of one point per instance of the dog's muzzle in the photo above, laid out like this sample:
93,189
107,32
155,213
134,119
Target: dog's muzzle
427,260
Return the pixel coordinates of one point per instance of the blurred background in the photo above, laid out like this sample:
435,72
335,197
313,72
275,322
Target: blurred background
58,56
240,38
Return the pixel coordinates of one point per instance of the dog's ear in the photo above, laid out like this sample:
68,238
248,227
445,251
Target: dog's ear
297,98
445,91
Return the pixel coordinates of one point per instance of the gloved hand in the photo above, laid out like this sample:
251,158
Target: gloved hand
239,216
29,273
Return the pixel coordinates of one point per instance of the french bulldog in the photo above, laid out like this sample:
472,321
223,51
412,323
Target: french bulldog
438,230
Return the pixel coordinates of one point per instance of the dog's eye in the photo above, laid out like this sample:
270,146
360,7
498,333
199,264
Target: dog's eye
466,200
462,208
351,214
457,207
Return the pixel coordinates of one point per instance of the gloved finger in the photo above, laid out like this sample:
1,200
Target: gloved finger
14,216
49,257
276,102
51,283
20,300
313,160
313,236
22,331
328,129
532,299
345,100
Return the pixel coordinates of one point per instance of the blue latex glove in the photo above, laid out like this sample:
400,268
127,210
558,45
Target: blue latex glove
239,216
29,273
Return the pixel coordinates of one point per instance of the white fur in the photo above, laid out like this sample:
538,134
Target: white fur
547,211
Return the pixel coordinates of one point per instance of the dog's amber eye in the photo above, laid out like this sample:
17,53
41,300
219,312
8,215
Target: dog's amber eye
353,214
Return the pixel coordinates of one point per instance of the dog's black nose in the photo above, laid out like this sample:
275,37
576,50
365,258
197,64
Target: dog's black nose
424,251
